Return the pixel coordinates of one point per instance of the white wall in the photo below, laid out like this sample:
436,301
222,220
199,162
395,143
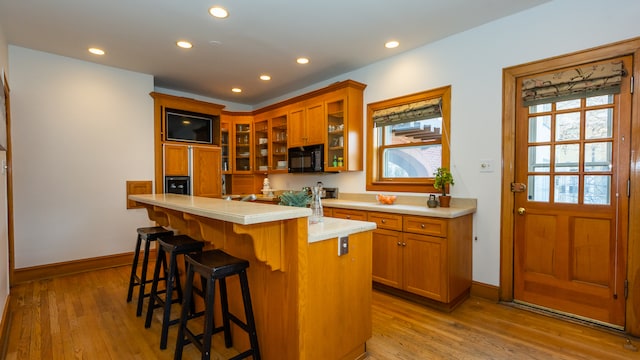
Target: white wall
472,64
4,235
79,131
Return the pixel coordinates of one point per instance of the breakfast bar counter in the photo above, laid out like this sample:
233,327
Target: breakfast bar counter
309,302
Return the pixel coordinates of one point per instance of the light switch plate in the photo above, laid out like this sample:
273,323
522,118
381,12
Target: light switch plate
486,165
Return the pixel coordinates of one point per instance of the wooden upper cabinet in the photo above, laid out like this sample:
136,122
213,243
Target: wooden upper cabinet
176,160
306,125
316,124
207,171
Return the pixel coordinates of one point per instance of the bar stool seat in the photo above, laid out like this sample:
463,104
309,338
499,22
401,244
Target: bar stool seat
148,235
217,265
173,246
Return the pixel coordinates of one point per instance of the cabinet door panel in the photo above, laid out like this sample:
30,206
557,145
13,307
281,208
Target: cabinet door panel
176,160
425,271
207,180
295,127
316,124
387,257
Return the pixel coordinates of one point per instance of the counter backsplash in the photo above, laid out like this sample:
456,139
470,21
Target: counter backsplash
420,200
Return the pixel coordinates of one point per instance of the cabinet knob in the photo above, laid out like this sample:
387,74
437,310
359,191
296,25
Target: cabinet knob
399,243
422,226
384,221
348,217
404,244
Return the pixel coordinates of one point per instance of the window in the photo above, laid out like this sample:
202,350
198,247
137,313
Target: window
408,139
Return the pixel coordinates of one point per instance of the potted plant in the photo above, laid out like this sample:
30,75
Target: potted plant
442,178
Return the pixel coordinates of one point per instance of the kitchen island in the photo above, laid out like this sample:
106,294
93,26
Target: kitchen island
309,303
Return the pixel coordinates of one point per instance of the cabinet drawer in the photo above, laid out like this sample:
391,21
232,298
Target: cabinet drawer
386,221
349,214
425,225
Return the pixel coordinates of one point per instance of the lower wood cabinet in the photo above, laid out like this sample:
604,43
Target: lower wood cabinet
426,256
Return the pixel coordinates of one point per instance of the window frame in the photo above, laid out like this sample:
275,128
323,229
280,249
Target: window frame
375,179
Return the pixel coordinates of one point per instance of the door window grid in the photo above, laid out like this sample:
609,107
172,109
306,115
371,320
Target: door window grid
581,152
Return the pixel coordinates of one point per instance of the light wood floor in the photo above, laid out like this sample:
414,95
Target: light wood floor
85,316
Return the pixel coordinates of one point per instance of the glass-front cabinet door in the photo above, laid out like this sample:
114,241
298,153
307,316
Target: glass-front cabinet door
242,145
336,135
224,145
261,146
279,162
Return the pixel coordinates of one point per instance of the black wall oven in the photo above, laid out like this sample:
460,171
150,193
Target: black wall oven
177,185
306,159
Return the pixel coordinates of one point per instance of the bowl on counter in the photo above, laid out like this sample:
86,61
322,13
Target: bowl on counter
386,199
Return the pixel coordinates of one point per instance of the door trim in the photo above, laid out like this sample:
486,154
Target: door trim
509,104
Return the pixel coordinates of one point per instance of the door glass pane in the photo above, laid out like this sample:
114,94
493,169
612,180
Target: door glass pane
566,189
600,100
567,157
540,129
597,156
539,158
597,189
598,124
569,104
538,188
568,126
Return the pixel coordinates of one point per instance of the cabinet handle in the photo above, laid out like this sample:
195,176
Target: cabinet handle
422,226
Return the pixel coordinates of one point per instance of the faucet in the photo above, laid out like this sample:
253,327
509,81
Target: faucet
250,197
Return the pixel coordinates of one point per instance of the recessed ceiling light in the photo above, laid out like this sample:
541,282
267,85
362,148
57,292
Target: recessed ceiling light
96,51
265,77
302,60
236,90
184,44
218,12
391,44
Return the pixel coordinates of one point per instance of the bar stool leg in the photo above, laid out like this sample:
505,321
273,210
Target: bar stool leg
134,268
248,312
184,314
224,302
154,286
143,278
166,317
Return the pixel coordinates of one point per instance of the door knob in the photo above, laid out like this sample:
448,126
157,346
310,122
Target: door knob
521,211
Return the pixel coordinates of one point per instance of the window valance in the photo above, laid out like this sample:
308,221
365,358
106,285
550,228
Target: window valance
569,84
419,110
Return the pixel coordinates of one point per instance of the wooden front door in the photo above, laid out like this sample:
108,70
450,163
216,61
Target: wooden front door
571,221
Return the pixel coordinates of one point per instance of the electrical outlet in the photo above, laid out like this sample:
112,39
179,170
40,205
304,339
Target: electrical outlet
343,245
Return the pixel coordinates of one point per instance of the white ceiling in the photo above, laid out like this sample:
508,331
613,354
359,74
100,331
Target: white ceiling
257,37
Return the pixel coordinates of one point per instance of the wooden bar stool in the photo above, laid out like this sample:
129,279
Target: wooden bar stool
173,246
215,265
148,235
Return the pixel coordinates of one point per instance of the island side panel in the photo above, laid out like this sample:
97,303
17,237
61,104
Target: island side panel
338,300
275,294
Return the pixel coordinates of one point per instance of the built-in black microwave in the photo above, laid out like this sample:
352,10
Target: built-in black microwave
306,159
